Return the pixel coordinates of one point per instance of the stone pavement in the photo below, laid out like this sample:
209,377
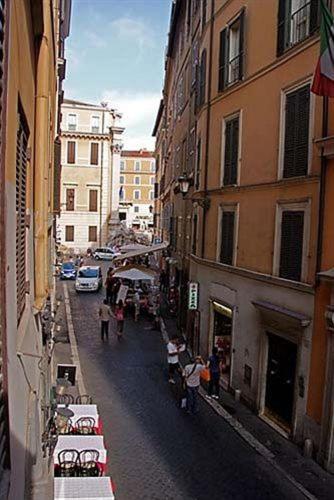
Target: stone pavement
281,452
156,451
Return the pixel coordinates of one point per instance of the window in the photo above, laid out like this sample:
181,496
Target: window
70,194
72,122
137,180
297,132
156,190
136,208
21,205
94,153
122,216
92,233
202,79
194,235
93,200
227,236
198,165
69,233
95,124
297,19
204,6
137,166
152,168
121,179
291,245
136,195
231,151
122,193
152,195
71,145
122,165
231,53
152,180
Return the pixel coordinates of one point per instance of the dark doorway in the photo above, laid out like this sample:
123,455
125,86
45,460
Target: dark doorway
281,370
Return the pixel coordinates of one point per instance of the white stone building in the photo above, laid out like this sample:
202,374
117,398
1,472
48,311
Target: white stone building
90,157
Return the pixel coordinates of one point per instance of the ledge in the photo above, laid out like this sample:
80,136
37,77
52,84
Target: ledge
325,146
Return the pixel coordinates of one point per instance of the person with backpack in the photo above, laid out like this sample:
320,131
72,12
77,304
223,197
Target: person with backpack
214,366
191,375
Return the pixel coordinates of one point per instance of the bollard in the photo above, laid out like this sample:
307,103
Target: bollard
237,394
308,448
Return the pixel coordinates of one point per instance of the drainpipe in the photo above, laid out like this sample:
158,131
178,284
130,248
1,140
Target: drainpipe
207,127
101,175
41,173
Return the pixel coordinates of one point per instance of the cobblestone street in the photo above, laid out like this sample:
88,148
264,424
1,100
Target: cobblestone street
155,450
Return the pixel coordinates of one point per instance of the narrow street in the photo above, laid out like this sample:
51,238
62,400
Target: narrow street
155,450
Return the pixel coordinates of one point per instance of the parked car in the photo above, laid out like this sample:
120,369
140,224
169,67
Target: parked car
89,279
68,271
104,253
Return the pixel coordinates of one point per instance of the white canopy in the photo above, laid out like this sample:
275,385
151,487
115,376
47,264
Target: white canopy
143,251
134,273
133,247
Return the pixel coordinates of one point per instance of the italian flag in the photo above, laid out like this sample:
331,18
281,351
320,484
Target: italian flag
323,80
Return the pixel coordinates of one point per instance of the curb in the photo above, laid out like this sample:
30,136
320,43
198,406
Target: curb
246,436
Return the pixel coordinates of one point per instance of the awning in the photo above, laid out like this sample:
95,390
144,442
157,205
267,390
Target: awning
281,314
221,309
134,273
133,247
144,251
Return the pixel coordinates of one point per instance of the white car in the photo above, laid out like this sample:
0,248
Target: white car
89,279
104,253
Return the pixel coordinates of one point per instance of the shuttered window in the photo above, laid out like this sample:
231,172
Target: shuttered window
69,233
70,196
231,53
202,79
231,153
296,21
292,237
227,237
70,152
21,205
93,200
57,176
92,233
94,153
194,235
198,165
296,138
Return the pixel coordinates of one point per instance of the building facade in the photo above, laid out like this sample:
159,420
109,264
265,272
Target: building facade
137,182
32,69
241,126
90,182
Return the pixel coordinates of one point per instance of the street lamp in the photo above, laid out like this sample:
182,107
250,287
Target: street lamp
184,182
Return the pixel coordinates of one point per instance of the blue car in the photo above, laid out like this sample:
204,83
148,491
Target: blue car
68,271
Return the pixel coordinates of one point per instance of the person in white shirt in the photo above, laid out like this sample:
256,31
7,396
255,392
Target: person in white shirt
104,315
191,375
173,349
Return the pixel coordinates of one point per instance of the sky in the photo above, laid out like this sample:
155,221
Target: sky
115,53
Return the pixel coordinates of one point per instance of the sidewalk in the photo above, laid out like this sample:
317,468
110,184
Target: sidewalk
284,455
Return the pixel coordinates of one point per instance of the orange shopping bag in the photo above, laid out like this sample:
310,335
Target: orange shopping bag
205,375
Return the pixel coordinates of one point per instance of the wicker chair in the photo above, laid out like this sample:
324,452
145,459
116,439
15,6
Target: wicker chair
86,425
89,466
68,463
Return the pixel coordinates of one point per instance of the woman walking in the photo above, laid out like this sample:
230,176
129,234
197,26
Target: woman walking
214,366
119,315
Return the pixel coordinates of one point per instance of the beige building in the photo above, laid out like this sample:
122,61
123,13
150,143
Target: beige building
32,69
137,182
90,156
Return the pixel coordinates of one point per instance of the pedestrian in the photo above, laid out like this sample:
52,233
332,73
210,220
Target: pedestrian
104,314
163,277
214,367
109,284
136,304
191,375
119,315
173,350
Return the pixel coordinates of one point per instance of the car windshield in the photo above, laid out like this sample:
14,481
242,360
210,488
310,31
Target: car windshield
68,266
88,273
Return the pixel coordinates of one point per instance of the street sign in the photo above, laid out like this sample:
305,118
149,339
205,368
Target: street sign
193,296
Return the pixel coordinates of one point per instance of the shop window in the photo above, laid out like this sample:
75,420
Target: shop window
222,339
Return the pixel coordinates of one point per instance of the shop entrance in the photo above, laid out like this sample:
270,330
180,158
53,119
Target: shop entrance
280,380
222,339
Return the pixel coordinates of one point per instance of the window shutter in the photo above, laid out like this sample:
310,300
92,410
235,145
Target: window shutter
231,152
57,176
93,200
70,152
296,141
314,16
223,51
70,193
94,153
202,79
194,241
198,164
92,233
69,233
227,238
241,44
292,235
281,26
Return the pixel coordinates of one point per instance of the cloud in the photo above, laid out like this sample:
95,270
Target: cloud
139,111
95,40
134,31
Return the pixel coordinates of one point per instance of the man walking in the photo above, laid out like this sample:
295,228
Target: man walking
192,374
104,315
173,359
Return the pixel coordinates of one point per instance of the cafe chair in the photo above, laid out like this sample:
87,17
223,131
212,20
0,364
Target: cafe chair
89,466
86,425
84,400
65,399
68,463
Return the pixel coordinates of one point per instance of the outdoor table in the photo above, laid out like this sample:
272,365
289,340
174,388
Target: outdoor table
81,443
83,488
85,411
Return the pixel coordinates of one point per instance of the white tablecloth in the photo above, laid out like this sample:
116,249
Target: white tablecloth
80,443
83,411
83,488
